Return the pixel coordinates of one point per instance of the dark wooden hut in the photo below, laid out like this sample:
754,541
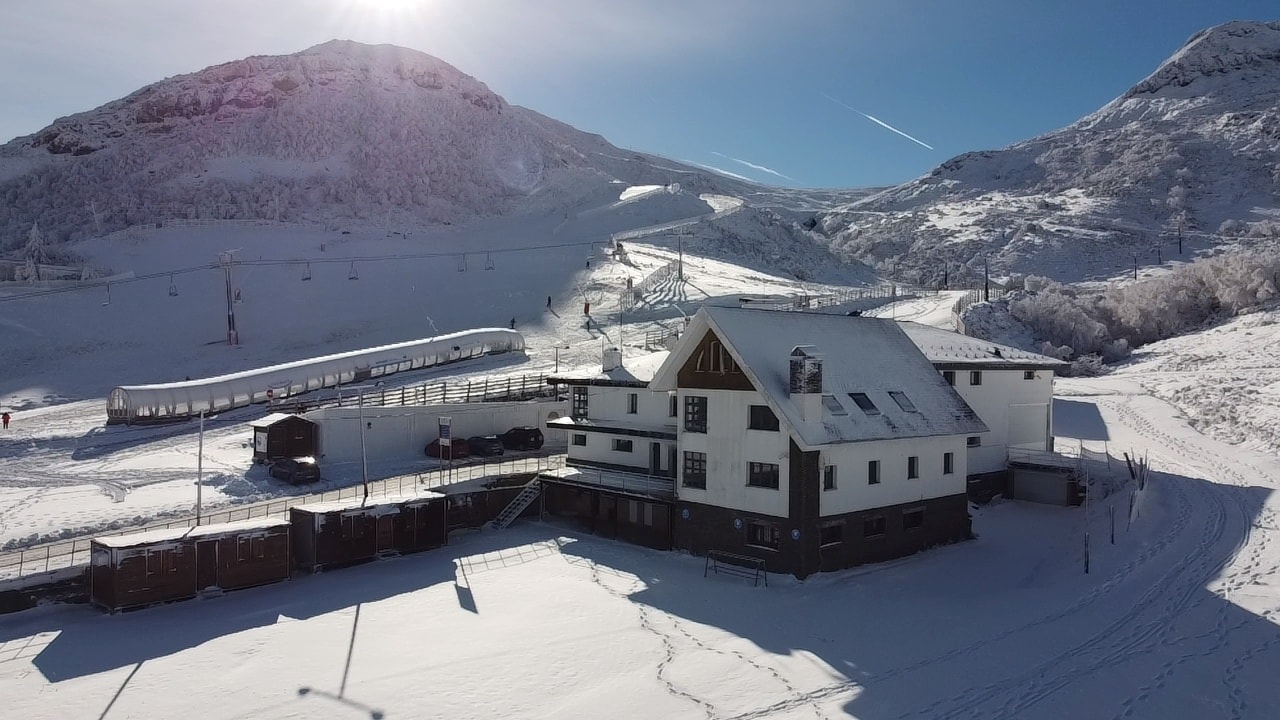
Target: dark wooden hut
334,534
280,435
144,568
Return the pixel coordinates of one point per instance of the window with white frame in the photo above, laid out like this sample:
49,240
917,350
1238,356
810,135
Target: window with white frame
620,445
873,472
762,475
913,467
580,439
633,402
829,477
862,400
695,414
948,463
674,409
761,417
695,469
578,410
975,377
973,441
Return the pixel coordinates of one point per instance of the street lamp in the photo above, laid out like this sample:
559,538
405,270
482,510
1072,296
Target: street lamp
364,457
558,348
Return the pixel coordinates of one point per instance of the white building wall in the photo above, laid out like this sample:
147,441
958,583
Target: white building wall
853,492
1004,400
729,446
608,406
402,433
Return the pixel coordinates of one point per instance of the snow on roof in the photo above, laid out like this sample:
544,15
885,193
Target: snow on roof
638,369
151,537
871,356
355,503
269,420
943,346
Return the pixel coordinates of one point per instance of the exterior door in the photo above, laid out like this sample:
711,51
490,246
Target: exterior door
655,458
206,564
385,534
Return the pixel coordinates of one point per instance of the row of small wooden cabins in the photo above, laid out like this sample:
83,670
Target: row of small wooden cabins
146,568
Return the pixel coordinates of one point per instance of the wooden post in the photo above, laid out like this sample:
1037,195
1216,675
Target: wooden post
1112,512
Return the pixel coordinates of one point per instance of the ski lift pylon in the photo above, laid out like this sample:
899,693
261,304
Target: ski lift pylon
306,274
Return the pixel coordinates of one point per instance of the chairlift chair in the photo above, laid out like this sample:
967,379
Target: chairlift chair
353,274
306,274
488,261
108,300
173,289
462,263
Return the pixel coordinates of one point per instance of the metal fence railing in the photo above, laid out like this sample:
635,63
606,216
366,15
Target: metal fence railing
509,389
71,553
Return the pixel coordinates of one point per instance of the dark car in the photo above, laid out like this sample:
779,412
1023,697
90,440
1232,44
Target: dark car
296,470
457,449
522,438
485,445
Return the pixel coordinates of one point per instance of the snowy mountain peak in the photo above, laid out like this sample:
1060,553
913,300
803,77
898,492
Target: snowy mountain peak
1240,50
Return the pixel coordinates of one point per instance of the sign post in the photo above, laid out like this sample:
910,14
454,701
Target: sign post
446,441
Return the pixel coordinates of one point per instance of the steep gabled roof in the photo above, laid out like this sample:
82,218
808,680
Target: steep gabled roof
859,355
945,348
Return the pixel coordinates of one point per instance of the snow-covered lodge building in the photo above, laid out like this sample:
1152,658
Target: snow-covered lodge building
812,441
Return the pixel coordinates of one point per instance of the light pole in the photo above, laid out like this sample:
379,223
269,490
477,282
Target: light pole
226,259
364,460
199,467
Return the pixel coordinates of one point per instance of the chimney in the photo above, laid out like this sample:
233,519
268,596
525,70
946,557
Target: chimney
612,359
805,385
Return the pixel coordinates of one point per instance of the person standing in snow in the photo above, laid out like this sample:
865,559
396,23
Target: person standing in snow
5,419
513,323
548,301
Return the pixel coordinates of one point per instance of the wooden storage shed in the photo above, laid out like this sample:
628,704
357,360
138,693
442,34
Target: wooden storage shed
345,532
280,435
139,569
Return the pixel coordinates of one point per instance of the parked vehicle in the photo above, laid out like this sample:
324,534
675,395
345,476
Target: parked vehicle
457,449
524,437
296,470
485,445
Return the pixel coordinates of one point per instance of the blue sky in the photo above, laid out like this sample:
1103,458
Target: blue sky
779,92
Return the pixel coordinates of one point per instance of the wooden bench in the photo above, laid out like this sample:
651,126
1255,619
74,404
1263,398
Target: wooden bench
741,566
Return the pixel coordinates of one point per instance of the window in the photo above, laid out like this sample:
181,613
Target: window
620,445
831,533
829,477
715,359
762,534
251,548
1028,374
865,403
833,405
903,401
913,467
695,469
949,376
762,418
873,526
675,406
579,408
632,402
975,377
161,562
948,463
580,439
763,475
695,414
973,441
873,472
352,527
913,519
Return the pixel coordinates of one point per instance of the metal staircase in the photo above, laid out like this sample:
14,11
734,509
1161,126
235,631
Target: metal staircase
526,497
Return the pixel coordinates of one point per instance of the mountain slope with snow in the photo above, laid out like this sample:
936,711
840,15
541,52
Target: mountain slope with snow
1193,149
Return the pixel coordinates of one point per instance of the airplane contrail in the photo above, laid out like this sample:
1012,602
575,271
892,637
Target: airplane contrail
761,168
878,121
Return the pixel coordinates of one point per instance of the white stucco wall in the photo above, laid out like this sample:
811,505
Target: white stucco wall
607,406
729,446
403,432
854,493
1005,399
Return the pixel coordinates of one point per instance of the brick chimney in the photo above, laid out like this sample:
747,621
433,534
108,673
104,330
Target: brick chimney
805,386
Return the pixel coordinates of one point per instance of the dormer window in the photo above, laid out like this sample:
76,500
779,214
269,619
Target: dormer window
865,403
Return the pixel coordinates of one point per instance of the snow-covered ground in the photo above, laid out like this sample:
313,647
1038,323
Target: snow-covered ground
1175,620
